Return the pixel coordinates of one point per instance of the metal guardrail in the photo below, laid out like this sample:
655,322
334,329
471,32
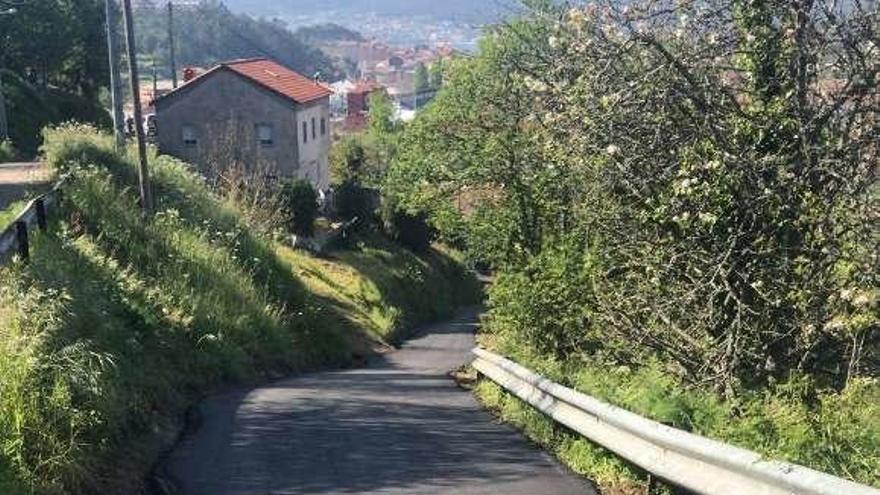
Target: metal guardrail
14,238
693,462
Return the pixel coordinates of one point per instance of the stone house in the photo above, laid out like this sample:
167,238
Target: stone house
253,112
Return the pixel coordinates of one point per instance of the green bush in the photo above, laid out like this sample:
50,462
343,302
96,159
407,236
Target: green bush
411,230
7,151
301,202
77,145
30,109
548,304
352,200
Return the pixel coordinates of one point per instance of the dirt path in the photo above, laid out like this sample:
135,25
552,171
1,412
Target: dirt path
397,426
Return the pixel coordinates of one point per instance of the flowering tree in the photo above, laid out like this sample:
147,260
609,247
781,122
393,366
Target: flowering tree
705,172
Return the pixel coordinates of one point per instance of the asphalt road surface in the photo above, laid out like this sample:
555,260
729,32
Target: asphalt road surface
399,425
16,179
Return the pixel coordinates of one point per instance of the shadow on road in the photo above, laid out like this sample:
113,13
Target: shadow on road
398,425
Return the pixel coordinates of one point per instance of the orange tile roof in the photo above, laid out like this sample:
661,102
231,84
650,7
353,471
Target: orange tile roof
268,74
279,79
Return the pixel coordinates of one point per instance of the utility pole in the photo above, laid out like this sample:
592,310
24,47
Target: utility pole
6,8
4,127
116,97
171,44
143,171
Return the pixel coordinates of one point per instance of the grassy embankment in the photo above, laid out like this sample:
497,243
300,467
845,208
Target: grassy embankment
833,432
120,322
9,213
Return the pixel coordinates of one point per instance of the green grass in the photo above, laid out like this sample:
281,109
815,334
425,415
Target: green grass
833,432
120,322
8,214
385,289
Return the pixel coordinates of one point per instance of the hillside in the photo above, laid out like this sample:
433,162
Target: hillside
209,33
119,323
459,10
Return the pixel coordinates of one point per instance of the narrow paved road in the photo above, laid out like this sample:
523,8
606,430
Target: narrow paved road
17,178
397,426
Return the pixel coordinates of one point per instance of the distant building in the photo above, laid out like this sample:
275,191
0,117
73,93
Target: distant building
358,104
253,112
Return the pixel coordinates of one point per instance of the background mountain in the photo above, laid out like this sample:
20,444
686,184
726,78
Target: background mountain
466,11
209,33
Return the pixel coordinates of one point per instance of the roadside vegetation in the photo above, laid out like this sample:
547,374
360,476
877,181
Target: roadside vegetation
680,204
9,213
53,66
120,322
8,152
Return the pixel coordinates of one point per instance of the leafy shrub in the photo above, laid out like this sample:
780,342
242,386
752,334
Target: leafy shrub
729,250
348,159
352,200
301,202
549,303
31,109
7,151
409,229
71,146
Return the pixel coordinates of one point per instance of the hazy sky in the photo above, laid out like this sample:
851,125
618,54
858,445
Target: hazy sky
476,11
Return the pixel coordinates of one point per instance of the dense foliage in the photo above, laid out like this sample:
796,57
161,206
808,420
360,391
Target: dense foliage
411,230
327,33
7,151
208,33
53,66
689,187
301,203
711,189
61,43
30,108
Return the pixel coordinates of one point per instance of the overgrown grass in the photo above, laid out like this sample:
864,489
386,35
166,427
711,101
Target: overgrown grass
386,289
834,432
120,321
9,213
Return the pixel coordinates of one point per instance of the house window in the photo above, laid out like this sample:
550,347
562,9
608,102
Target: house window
264,135
188,134
323,126
305,132
314,135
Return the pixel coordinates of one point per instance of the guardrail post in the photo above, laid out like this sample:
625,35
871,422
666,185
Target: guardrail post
652,485
21,237
40,206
